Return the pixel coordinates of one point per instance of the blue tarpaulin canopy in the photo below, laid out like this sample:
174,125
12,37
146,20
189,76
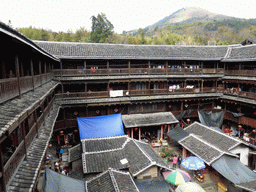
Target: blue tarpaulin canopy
100,126
56,182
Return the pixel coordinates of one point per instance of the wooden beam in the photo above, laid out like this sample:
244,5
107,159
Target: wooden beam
17,69
32,74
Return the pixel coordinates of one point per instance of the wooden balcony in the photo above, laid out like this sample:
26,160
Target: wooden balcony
236,93
10,88
144,92
245,73
132,71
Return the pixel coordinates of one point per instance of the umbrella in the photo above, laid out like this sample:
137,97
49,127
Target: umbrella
176,177
193,163
189,187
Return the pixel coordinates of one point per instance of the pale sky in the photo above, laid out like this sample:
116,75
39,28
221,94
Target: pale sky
125,15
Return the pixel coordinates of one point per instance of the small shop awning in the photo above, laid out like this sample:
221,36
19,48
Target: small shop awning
151,119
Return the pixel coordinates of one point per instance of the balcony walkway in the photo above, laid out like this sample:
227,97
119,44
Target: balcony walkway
26,175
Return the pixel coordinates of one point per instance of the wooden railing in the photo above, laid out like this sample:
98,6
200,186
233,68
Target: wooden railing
67,123
12,164
246,73
247,121
9,88
102,94
132,71
230,116
235,92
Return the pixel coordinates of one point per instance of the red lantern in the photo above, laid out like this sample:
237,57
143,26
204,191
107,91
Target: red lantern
75,113
116,110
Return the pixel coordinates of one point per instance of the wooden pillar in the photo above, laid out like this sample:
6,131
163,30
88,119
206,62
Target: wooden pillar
202,67
202,86
217,67
185,66
4,76
166,67
240,68
84,67
108,109
129,67
86,111
32,74
108,89
61,68
185,84
149,67
85,88
181,107
17,69
129,87
45,67
128,110
184,153
168,129
108,68
162,132
167,87
139,134
62,90
21,69
35,115
40,72
149,91
3,184
216,86
131,132
24,138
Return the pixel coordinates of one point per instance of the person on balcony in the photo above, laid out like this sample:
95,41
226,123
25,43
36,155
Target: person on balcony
11,75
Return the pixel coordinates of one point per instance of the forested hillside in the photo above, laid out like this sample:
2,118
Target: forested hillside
223,31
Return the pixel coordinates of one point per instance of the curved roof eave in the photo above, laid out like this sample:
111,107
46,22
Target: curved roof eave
27,41
238,60
141,58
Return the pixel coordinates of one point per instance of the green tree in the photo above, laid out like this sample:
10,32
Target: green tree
101,28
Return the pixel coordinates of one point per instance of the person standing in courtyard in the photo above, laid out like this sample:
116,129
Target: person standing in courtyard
174,161
179,160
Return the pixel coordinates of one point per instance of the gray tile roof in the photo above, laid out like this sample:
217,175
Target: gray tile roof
112,181
139,155
20,37
145,120
100,161
12,110
75,153
26,175
207,152
74,50
103,144
216,138
241,53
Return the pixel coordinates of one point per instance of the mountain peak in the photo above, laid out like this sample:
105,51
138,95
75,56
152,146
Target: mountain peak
188,15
